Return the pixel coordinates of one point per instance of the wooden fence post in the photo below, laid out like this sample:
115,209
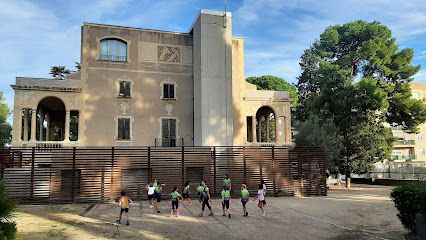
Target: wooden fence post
214,171
149,165
73,174
112,173
183,166
245,165
32,173
103,185
273,172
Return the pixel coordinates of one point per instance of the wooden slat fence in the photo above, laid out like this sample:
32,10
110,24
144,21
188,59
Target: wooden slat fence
99,174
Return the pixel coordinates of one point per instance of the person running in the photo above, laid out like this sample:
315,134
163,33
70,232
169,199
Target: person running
157,195
244,198
175,201
261,198
199,191
227,182
185,193
226,198
151,191
205,195
124,201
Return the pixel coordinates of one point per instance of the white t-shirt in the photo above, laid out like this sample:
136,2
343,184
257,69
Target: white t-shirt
151,190
261,194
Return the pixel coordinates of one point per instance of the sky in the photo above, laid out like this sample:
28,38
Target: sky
35,35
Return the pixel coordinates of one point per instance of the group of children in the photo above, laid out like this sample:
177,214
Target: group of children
155,189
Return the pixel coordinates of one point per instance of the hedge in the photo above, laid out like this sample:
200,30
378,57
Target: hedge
410,199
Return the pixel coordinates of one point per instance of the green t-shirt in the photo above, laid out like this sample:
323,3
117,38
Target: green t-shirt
226,181
226,194
186,189
200,188
245,194
175,195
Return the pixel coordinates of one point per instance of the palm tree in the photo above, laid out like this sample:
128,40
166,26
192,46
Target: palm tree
59,72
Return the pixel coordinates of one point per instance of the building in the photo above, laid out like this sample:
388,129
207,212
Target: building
142,87
411,147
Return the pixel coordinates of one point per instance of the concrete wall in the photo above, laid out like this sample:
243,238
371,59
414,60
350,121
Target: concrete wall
213,104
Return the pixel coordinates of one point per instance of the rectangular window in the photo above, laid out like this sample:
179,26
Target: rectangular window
420,137
249,129
123,129
421,151
168,91
74,118
168,131
124,89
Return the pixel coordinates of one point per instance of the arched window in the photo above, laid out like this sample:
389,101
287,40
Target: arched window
113,50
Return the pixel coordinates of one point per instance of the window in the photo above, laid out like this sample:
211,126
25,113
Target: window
74,118
113,50
168,132
168,91
124,89
420,137
123,129
249,129
421,151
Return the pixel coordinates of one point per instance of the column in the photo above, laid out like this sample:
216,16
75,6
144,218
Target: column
48,127
25,125
33,124
259,129
253,129
267,127
41,125
67,126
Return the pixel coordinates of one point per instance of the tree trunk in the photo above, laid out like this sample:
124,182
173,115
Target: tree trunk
348,179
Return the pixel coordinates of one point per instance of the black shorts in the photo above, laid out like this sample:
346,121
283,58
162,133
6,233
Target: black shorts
157,196
244,201
175,204
124,210
225,204
150,196
185,195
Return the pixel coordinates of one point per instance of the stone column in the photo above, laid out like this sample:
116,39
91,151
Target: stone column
41,125
25,125
267,127
33,124
48,127
253,129
67,126
259,129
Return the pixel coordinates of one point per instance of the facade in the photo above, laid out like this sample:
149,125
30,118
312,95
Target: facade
141,87
411,147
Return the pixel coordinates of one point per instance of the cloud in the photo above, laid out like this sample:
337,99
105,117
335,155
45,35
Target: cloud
420,76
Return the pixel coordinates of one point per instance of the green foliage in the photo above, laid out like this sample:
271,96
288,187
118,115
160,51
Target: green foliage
275,83
409,200
355,77
59,72
7,228
315,132
5,128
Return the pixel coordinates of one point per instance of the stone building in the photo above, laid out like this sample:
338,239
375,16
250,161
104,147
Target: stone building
142,87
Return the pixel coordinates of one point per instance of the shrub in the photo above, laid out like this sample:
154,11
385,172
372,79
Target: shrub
409,200
7,227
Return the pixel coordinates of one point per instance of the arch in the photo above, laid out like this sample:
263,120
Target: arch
51,114
113,49
266,125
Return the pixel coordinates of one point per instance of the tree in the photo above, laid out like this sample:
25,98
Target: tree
77,67
7,227
315,132
59,72
5,128
355,76
275,83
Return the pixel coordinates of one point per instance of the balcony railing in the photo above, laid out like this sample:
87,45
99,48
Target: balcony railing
404,142
404,157
169,142
113,58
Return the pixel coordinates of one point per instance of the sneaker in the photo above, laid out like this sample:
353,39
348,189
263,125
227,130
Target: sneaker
118,221
200,215
211,214
127,223
150,206
158,211
263,215
229,216
246,214
223,215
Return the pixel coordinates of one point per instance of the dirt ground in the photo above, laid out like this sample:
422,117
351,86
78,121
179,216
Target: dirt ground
363,212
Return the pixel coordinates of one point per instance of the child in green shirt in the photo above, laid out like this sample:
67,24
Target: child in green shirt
226,198
185,193
199,191
227,182
175,201
244,198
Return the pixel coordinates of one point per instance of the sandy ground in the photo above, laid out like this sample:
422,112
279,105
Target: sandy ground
364,212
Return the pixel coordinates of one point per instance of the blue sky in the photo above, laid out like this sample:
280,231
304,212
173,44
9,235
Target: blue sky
35,35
